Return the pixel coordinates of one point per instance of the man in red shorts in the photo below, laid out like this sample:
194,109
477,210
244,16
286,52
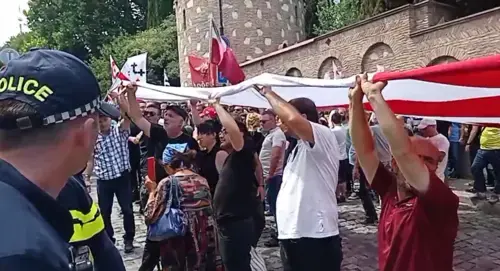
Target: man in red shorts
418,221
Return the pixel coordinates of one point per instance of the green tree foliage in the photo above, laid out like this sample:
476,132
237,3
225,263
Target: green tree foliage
22,42
158,10
81,27
160,43
333,16
371,8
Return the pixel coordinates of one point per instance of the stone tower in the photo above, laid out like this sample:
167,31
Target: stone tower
253,27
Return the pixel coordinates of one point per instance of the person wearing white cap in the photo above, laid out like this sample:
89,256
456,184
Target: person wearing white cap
427,128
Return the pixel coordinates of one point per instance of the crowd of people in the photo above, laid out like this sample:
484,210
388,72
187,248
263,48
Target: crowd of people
205,175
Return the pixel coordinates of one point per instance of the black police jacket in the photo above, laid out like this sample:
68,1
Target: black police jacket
88,226
35,229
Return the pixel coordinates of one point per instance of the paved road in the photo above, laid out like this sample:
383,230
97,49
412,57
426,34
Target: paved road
477,246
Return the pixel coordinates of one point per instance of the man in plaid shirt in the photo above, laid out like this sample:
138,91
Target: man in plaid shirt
110,163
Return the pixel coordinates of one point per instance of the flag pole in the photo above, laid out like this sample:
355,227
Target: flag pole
210,50
221,19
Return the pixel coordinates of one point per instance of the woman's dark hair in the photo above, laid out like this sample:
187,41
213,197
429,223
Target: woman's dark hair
183,160
242,126
209,127
336,117
307,107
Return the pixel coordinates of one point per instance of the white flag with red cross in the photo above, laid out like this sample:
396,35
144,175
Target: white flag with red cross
134,70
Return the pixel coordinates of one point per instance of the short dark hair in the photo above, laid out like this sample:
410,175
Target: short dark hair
209,127
307,107
183,159
16,138
336,117
243,128
269,112
153,105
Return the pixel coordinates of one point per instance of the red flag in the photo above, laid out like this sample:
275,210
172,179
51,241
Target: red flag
203,73
230,68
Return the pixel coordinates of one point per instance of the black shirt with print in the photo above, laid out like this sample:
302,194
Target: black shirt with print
159,142
235,194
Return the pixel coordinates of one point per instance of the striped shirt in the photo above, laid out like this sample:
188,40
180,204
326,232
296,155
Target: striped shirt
111,155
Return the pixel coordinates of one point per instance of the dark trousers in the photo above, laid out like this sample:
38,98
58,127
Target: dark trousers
259,221
106,190
150,256
364,195
350,181
307,254
135,177
454,159
481,161
235,240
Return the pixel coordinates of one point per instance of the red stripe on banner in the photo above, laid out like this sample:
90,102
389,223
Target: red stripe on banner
477,108
479,72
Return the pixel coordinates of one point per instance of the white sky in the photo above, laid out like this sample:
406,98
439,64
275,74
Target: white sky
9,24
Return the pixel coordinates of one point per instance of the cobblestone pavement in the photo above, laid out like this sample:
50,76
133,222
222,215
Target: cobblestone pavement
477,246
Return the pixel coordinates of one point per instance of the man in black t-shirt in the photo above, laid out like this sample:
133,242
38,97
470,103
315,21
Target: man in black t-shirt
163,143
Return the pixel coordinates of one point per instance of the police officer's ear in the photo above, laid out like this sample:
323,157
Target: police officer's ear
86,133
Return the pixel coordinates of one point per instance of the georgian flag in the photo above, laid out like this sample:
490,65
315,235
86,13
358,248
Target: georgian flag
115,71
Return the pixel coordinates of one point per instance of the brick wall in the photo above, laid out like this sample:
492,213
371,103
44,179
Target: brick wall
395,40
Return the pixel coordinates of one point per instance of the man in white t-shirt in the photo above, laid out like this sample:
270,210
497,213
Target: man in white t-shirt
306,208
341,136
427,128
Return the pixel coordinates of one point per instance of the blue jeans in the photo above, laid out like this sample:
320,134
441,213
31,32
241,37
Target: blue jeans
273,188
482,159
122,188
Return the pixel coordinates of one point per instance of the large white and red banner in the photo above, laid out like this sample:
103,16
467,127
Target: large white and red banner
466,91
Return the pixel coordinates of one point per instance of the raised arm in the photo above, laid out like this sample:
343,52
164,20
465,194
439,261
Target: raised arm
194,112
408,161
134,112
288,115
361,135
123,102
231,127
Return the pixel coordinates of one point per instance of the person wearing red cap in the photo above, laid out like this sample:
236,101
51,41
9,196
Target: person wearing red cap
208,113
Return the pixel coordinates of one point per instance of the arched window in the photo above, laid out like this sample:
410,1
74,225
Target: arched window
294,72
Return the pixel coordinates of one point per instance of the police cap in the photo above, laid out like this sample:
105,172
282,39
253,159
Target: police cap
59,86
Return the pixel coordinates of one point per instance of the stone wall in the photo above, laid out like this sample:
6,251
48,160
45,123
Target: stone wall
407,37
254,27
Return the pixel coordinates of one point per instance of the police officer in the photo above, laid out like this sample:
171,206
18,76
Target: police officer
48,127
90,241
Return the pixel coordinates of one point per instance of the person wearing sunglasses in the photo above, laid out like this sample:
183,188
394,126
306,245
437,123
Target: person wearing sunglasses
238,194
419,220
